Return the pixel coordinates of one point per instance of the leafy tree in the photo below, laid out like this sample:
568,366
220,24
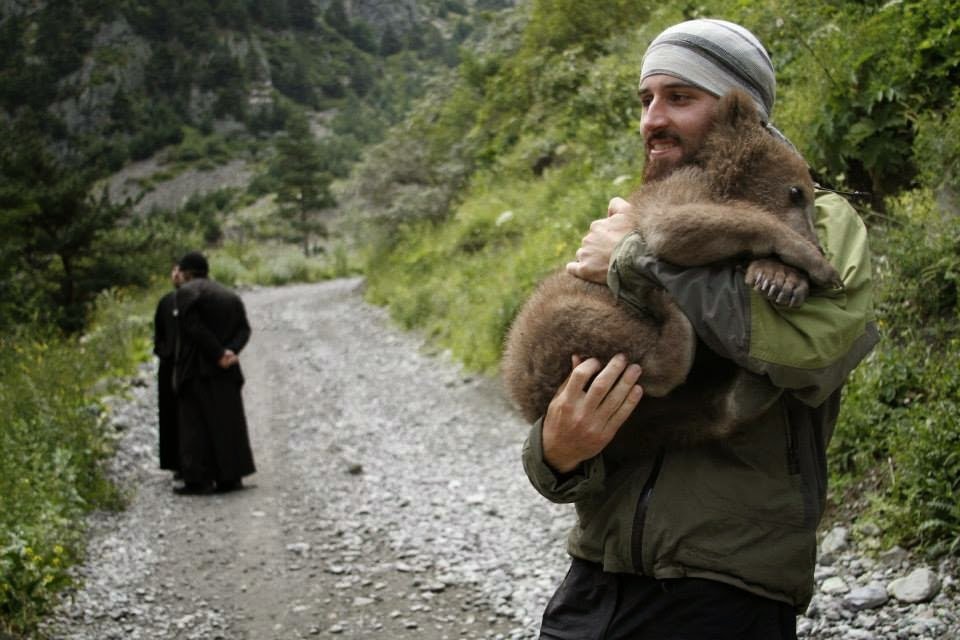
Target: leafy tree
562,24
302,14
224,76
861,104
336,17
291,75
390,42
273,14
304,180
462,31
62,37
452,6
362,77
231,14
361,34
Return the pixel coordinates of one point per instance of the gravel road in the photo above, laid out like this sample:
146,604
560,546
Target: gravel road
389,502
389,499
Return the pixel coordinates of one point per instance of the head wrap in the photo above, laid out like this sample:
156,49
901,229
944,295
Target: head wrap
195,263
716,56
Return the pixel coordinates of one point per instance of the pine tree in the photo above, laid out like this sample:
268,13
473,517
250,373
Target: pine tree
57,236
301,170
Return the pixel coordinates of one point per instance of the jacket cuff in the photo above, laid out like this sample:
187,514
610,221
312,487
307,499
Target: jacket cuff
625,276
556,487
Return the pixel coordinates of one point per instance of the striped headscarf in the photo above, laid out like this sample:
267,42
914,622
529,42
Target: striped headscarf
714,55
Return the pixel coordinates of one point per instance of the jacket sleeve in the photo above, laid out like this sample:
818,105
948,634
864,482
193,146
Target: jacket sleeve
241,335
587,479
809,351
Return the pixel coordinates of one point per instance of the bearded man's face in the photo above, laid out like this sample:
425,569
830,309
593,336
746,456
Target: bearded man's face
676,119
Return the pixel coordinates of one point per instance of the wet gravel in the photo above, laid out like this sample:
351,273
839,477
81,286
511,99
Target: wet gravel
389,502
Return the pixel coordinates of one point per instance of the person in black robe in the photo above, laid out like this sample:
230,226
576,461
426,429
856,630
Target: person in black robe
164,343
215,452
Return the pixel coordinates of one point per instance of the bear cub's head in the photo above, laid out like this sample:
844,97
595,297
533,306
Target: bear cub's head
745,161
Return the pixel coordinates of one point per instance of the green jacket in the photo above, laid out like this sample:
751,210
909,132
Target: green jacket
743,511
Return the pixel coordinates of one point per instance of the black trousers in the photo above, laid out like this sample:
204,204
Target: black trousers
592,604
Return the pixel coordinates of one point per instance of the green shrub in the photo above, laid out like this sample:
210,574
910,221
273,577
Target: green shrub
290,267
230,270
242,264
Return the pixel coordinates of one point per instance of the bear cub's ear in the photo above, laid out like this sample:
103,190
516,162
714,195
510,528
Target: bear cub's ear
737,109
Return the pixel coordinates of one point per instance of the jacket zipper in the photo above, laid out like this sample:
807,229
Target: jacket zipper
640,516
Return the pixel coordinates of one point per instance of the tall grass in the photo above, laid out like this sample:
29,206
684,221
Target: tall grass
53,446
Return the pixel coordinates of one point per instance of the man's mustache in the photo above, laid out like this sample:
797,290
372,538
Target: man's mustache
664,136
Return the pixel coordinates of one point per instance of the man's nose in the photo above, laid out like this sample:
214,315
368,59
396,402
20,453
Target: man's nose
654,117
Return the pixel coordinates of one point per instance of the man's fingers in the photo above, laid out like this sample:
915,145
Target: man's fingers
617,205
575,361
606,380
582,373
621,389
630,401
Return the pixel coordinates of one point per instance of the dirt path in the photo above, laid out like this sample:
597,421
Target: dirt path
389,499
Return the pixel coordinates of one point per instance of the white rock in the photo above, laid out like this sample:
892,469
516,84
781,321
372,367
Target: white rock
920,586
833,543
869,597
834,585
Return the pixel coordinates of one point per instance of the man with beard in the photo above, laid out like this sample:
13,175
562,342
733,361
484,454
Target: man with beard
164,343
214,445
715,540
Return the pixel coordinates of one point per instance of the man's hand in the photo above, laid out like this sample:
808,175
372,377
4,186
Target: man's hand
228,359
581,422
593,256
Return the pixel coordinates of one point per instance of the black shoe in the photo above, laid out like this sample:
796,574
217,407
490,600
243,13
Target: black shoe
231,485
194,489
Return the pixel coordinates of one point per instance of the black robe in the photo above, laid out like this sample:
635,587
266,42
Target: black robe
164,344
214,442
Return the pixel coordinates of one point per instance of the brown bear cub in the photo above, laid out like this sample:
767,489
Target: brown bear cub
746,195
